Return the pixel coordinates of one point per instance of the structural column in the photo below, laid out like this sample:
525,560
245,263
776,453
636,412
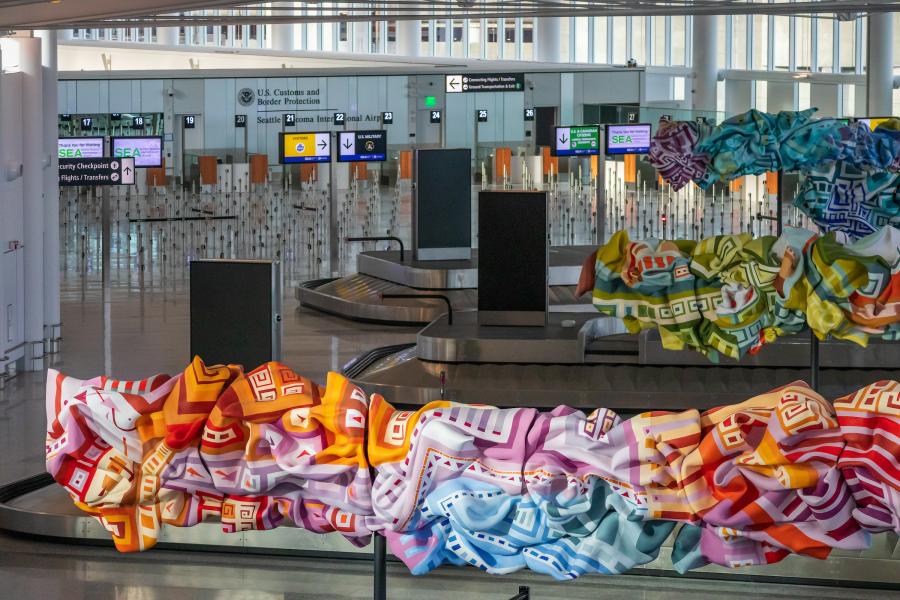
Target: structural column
703,64
880,65
409,38
33,158
167,36
549,39
51,190
283,37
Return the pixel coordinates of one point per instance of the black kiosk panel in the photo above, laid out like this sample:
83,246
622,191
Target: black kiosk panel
235,311
442,208
513,262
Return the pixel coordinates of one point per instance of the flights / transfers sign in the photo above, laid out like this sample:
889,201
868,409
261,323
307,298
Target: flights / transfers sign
578,140
485,82
96,171
81,147
362,146
628,139
310,147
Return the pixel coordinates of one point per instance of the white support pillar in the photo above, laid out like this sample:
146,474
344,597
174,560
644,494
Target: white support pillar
880,65
167,36
703,63
51,190
549,39
33,158
282,37
409,38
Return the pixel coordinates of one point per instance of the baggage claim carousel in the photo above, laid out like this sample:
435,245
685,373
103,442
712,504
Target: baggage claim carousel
577,358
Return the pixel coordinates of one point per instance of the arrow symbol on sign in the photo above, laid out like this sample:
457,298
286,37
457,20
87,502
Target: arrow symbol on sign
322,144
453,83
563,139
127,170
347,145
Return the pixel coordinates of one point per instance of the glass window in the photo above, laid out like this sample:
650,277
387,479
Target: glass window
618,40
457,33
762,95
848,100
825,46
312,36
721,32
600,39
739,42
896,48
659,40
581,39
509,39
678,86
527,39
782,44
760,54
564,40
492,50
847,46
475,38
679,37
342,31
639,39
804,98
803,43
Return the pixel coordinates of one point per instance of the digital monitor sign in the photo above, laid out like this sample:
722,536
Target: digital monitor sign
577,140
362,146
628,139
310,147
146,151
81,147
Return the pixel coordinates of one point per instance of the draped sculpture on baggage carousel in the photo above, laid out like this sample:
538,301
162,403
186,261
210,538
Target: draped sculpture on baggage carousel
563,493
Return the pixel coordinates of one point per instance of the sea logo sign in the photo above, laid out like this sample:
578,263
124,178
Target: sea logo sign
246,96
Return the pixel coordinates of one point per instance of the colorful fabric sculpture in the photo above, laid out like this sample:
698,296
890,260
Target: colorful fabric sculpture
672,153
729,295
250,450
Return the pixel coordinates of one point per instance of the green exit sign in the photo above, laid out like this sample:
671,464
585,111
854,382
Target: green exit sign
430,101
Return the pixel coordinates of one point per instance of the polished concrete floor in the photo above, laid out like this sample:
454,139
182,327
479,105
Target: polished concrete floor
145,331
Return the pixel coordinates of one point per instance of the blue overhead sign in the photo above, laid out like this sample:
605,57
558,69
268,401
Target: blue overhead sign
366,146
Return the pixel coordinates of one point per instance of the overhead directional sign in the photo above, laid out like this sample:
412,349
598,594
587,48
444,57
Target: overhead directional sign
577,140
362,146
485,82
305,147
96,171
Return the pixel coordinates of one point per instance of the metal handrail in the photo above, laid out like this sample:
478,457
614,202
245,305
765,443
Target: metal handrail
435,296
379,238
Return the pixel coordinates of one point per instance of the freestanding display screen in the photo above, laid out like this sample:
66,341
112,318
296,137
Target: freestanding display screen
81,147
146,151
235,311
633,138
368,146
308,147
577,140
442,204
513,263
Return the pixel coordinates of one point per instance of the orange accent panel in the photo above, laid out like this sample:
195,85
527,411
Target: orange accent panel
737,185
772,184
157,177
549,160
630,168
208,170
406,157
259,168
502,158
595,165
309,172
359,171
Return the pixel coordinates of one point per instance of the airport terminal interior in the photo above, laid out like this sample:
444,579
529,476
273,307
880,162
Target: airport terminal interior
409,299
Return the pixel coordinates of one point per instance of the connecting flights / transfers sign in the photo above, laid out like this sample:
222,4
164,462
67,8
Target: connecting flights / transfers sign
310,147
368,146
96,171
485,82
578,140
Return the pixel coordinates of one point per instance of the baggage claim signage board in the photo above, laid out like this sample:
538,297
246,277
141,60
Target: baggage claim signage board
577,140
96,171
628,139
309,147
368,146
146,151
81,147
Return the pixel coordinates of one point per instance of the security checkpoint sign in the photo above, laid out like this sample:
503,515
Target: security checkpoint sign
96,171
578,140
311,147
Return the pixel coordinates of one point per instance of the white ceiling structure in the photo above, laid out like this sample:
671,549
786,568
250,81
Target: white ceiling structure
48,14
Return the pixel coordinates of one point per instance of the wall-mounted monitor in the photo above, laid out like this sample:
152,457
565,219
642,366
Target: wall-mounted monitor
442,204
309,147
81,147
146,150
576,140
366,146
633,138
